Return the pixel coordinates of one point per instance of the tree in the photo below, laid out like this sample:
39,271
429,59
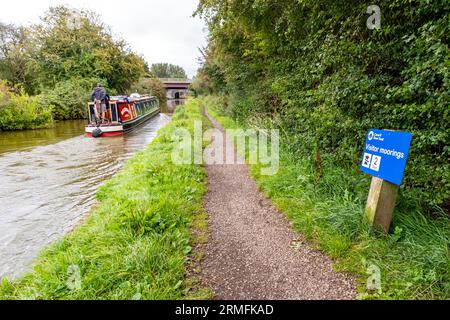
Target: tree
15,55
76,44
209,78
166,70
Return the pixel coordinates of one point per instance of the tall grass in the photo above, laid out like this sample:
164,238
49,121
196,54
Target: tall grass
414,258
137,243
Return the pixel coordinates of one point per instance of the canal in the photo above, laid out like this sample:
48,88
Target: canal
48,180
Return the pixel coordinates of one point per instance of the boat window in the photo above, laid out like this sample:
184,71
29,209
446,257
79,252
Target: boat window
91,111
113,109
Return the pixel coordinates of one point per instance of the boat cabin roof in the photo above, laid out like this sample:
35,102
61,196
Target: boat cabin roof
126,99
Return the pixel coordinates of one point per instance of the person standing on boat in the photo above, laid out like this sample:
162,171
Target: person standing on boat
99,97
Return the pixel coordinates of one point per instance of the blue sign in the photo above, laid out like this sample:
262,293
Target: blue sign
385,154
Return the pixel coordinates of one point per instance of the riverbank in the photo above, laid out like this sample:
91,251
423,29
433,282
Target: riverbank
327,208
137,243
17,140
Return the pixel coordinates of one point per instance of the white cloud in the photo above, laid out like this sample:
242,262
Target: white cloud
160,30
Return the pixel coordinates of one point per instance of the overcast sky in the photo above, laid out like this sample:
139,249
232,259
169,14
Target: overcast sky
160,30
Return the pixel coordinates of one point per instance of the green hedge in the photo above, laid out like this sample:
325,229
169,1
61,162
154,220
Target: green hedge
18,111
68,99
313,69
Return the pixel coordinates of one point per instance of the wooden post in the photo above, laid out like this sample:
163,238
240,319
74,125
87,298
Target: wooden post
381,203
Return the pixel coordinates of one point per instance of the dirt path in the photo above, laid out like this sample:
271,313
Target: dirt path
250,254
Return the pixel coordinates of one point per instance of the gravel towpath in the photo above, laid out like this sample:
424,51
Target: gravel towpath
253,252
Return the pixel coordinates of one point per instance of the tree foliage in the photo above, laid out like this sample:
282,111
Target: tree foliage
78,45
20,111
167,70
15,55
314,70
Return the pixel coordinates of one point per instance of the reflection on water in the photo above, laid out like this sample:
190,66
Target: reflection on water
46,190
172,104
22,140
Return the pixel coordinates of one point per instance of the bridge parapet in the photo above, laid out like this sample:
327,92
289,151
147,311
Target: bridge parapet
175,80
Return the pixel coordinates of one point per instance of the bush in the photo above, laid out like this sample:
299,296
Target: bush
68,99
18,111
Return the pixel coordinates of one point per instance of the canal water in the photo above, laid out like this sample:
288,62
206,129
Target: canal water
48,180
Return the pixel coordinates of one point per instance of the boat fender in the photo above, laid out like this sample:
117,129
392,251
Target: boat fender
97,133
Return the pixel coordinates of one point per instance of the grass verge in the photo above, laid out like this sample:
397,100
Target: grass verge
414,259
137,244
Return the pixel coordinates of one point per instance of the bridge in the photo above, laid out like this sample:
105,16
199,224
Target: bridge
176,88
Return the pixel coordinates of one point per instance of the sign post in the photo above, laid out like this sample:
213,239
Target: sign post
384,158
381,203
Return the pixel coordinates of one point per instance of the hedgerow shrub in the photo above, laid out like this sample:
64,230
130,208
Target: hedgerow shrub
69,98
314,70
19,111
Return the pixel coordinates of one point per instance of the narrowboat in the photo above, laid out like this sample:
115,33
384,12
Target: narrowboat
123,115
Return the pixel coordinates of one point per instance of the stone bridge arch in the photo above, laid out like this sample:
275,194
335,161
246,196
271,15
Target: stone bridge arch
176,89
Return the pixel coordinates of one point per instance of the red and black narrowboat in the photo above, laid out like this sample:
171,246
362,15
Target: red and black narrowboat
123,115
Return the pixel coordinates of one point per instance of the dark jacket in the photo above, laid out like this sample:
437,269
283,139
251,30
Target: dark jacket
98,94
